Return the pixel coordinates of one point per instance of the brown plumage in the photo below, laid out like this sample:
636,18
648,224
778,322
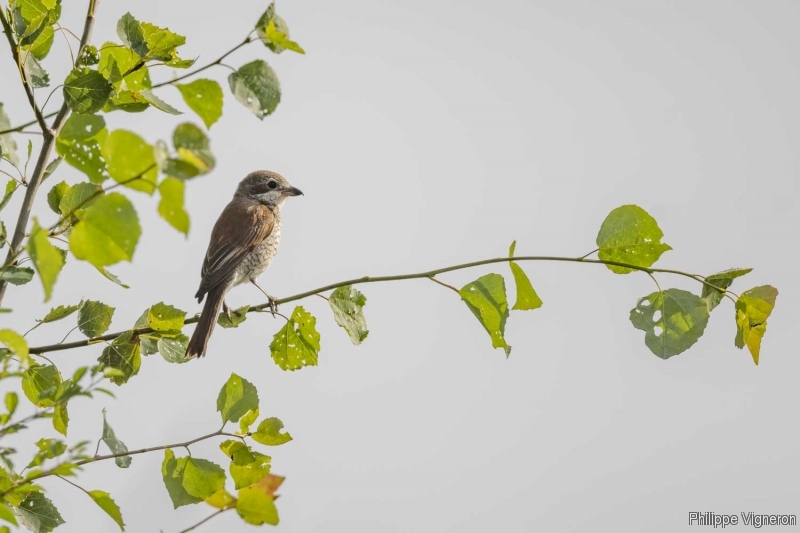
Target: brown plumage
243,242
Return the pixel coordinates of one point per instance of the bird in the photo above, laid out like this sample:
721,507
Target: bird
243,242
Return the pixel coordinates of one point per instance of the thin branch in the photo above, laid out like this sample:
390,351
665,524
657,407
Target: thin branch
206,519
377,279
31,123
590,253
50,135
23,76
217,61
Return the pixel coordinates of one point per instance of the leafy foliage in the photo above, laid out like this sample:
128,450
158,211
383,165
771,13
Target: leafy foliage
672,321
630,235
347,304
204,97
107,232
527,298
297,343
753,308
486,298
47,259
256,86
236,398
720,281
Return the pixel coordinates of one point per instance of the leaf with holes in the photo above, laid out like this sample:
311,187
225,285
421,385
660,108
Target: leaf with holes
47,259
124,356
347,304
236,398
204,97
486,298
107,232
86,91
173,348
752,311
80,143
38,514
630,235
297,343
94,318
721,280
672,321
256,86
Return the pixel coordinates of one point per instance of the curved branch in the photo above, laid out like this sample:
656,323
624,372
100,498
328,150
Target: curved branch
375,279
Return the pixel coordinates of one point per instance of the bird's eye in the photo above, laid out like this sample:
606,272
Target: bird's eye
272,185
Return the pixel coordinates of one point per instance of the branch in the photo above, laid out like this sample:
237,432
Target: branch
217,61
50,135
375,279
25,83
23,126
206,519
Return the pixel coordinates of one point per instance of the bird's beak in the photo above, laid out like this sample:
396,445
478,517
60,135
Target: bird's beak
293,191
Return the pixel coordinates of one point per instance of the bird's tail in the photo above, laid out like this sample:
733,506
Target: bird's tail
208,318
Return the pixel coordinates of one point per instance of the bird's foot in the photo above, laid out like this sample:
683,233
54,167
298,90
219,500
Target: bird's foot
273,304
226,310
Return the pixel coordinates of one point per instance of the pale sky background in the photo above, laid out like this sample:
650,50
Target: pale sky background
430,133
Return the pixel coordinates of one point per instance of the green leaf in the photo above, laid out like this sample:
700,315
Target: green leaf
47,259
161,42
48,449
124,356
158,103
170,207
251,472
94,318
108,231
55,195
36,75
16,275
50,168
57,313
237,317
103,499
202,478
486,298
108,275
630,235
256,507
3,234
163,317
15,343
721,280
40,383
130,33
204,97
221,500
269,433
86,91
347,304
274,32
172,471
115,62
38,514
130,161
8,146
256,86
61,418
89,56
8,515
11,186
238,452
527,298
752,311
192,146
42,44
173,349
79,196
11,401
297,343
80,144
672,322
279,38
114,444
247,420
236,398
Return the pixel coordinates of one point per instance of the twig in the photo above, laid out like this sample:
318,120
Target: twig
443,284
31,123
217,61
376,279
50,135
206,519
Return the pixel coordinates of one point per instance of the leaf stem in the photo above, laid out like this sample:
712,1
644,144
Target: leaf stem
217,61
206,519
443,284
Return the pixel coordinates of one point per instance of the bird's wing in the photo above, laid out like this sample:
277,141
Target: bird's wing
241,227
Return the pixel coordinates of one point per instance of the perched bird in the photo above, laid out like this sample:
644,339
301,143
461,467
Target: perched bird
243,242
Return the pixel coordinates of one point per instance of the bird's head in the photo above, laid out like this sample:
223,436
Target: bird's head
266,187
